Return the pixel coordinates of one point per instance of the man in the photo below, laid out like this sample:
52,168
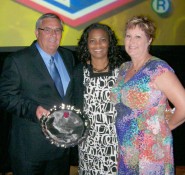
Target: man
28,91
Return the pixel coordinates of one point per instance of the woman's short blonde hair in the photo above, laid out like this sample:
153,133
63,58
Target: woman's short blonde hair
144,23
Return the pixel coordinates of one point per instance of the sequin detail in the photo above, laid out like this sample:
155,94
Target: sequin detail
145,141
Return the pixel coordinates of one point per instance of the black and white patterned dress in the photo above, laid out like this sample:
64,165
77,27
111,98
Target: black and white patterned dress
98,154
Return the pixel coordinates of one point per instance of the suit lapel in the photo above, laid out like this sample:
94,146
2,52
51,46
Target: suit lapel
42,69
40,65
66,62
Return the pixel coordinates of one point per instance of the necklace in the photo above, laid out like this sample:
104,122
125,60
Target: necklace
100,70
136,70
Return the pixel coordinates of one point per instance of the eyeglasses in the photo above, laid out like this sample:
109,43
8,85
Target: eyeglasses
48,30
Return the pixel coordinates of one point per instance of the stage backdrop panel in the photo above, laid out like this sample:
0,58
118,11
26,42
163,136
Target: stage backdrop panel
18,18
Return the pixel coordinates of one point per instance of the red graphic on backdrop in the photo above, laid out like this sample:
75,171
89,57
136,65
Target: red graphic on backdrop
75,12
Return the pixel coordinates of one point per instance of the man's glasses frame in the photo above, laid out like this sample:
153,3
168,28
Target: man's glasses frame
48,30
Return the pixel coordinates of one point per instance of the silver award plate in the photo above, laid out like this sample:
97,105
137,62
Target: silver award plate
65,126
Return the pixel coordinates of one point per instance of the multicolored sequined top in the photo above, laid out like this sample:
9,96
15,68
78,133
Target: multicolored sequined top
145,140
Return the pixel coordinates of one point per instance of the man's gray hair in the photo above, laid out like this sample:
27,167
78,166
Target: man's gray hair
48,15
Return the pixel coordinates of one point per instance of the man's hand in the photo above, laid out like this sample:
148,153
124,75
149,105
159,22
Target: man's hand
41,111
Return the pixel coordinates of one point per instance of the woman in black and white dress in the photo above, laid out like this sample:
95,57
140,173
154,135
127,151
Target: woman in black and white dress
93,78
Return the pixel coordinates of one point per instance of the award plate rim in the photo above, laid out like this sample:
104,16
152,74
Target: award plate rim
53,139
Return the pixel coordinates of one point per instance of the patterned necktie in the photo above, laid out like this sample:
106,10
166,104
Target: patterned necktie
56,77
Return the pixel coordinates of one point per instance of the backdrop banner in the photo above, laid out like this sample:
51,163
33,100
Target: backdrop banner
18,18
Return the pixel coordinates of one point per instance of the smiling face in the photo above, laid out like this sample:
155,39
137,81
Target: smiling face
98,43
49,41
136,42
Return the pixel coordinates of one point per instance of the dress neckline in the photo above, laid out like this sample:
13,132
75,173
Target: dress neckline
136,73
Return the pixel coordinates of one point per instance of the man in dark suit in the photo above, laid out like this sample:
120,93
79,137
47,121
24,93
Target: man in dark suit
28,91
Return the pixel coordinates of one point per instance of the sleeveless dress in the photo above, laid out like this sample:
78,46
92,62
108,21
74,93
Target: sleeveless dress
144,138
98,153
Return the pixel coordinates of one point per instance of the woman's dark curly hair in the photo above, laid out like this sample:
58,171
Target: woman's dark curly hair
114,53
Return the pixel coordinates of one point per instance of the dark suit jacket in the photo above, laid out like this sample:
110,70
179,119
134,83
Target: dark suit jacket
26,83
77,86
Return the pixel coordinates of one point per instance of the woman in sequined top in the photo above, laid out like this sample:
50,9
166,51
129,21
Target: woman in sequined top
140,96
